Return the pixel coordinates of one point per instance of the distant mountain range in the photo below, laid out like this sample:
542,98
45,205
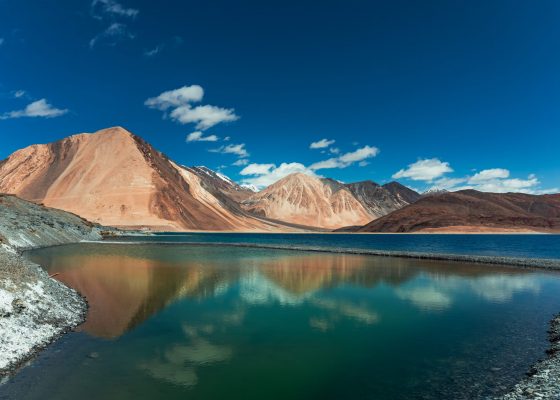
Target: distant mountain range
115,178
473,211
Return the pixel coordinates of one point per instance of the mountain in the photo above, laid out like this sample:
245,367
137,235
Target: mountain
115,178
402,193
473,211
307,200
217,183
382,200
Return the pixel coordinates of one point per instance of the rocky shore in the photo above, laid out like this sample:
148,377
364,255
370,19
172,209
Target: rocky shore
34,308
543,380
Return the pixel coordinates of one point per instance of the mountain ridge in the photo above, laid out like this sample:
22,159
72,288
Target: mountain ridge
116,178
473,211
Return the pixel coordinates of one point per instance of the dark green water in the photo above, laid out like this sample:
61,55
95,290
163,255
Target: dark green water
207,322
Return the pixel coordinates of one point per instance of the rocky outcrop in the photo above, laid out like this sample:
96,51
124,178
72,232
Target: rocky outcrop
473,211
34,309
382,200
115,178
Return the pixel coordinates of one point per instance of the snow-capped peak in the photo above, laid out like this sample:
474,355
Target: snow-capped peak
252,188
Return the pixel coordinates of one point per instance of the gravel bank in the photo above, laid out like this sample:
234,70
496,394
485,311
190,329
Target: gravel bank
550,264
34,308
543,380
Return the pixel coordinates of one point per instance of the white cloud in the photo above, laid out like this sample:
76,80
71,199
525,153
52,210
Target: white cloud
241,162
111,35
19,93
112,8
197,136
424,170
506,185
203,116
257,169
489,174
179,102
237,149
346,159
363,163
266,174
39,108
495,180
334,150
154,51
321,144
176,97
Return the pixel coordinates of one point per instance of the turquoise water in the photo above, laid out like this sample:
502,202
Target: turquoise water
514,245
210,322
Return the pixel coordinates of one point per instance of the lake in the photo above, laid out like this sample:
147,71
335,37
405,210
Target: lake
506,245
209,322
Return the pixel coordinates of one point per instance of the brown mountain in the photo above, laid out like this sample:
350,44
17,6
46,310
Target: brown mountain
382,200
115,178
221,185
402,193
307,200
473,211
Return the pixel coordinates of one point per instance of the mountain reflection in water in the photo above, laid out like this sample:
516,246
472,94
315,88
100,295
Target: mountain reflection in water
124,285
207,322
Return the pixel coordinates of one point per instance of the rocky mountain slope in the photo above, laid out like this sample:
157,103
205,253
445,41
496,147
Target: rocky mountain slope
303,199
327,203
220,185
473,211
382,200
34,309
115,178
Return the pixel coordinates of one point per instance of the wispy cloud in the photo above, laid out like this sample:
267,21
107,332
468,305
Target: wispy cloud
321,144
40,108
112,12
19,93
237,149
177,104
241,162
346,159
152,52
198,136
174,42
114,32
112,8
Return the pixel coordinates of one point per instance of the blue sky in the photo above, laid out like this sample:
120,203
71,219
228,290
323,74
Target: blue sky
444,93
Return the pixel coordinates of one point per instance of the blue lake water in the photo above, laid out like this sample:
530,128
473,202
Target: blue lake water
514,245
212,322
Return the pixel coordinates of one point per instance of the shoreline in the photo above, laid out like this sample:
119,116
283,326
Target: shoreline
543,379
520,262
538,384
36,311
